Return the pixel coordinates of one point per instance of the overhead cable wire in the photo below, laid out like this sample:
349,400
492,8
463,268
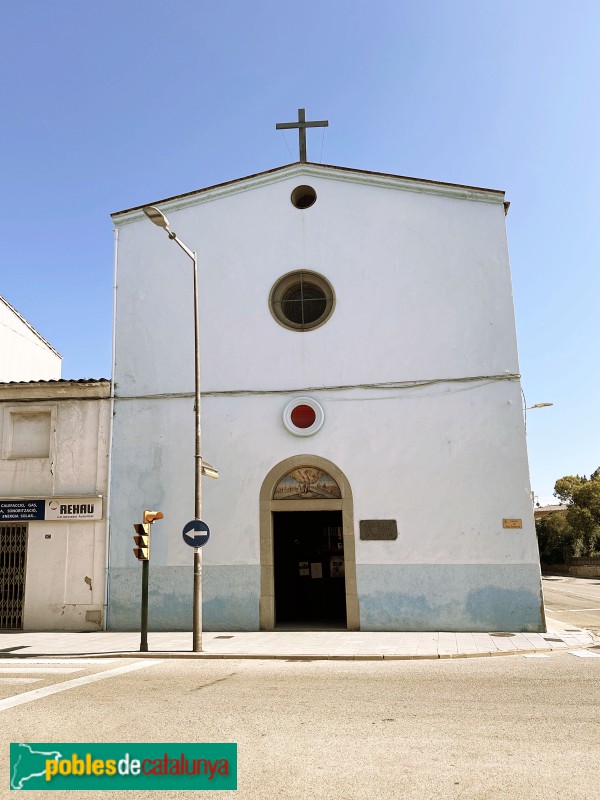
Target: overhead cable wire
388,385
287,145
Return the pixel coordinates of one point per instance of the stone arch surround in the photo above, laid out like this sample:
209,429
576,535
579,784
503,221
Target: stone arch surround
268,506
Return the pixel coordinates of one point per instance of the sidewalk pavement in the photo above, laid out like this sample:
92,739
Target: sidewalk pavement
305,645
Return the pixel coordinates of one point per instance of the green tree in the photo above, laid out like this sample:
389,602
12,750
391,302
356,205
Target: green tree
565,487
555,538
584,515
579,529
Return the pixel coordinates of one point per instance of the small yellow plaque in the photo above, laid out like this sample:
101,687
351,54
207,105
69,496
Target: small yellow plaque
512,523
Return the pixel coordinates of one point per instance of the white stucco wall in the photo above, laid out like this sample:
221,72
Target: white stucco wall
65,566
423,291
441,462
422,284
24,355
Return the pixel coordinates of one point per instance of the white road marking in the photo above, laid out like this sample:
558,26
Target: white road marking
566,610
74,660
55,671
536,655
584,654
576,594
45,691
20,680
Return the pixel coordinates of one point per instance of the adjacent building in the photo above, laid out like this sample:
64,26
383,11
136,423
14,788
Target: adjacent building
24,353
54,438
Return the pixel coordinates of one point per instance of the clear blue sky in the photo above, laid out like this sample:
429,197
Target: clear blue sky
111,104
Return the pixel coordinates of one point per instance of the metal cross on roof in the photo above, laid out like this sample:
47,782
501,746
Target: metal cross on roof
302,125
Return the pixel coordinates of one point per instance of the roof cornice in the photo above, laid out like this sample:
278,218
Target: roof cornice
309,169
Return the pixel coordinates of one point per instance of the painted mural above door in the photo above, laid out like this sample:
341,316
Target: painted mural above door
307,483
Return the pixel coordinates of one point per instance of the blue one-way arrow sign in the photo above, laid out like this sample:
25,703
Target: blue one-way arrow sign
196,533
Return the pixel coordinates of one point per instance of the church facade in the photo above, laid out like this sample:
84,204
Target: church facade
360,399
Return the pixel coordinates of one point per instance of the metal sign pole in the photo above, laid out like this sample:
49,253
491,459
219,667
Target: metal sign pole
197,616
144,625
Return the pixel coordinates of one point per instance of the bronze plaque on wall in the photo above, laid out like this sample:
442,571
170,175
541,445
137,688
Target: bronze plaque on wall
378,530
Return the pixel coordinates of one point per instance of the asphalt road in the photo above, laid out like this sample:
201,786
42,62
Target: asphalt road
485,728
20,675
573,601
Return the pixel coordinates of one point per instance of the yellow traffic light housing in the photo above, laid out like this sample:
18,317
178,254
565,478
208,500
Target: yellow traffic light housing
142,537
142,540
151,516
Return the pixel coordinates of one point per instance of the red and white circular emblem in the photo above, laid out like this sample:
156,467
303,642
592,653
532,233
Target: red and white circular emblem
303,416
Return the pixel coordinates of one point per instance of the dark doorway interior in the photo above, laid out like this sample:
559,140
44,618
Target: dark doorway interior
310,587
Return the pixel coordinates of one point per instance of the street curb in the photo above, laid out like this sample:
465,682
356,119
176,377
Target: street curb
307,656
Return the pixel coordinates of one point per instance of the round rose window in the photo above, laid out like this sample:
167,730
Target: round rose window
302,300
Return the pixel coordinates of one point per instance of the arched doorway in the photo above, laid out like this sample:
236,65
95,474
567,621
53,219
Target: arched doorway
307,550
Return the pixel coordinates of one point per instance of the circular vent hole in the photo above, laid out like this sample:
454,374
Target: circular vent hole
303,196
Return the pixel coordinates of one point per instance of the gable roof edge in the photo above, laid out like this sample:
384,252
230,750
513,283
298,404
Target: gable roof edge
30,326
308,168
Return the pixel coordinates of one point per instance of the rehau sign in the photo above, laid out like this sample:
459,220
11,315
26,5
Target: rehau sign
52,508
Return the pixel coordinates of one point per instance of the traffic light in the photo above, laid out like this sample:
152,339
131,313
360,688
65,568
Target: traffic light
142,535
151,516
142,540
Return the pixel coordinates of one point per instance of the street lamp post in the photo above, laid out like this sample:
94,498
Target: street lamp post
528,408
525,410
158,218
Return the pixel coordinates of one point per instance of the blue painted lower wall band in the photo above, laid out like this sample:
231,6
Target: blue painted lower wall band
415,597
450,597
230,598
